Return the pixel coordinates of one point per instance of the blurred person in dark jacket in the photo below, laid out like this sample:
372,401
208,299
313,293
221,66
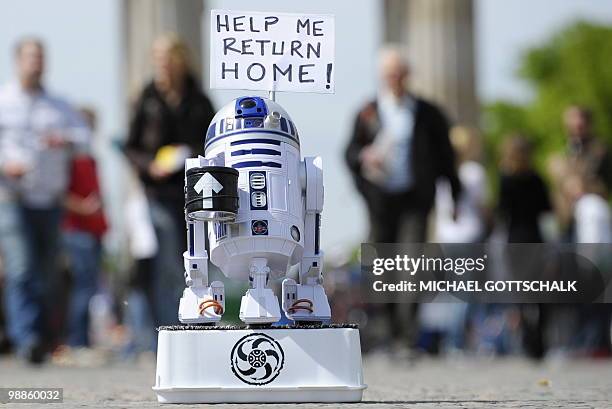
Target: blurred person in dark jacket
582,176
587,157
168,126
397,152
587,153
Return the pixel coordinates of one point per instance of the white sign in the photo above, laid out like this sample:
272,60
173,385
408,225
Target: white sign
272,51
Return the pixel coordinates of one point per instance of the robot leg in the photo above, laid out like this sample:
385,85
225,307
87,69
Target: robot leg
259,305
307,300
201,303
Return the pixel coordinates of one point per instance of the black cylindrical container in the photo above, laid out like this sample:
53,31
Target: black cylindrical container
211,193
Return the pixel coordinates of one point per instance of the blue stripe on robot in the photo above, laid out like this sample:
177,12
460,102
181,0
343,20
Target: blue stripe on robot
211,132
256,151
283,124
266,131
256,163
258,140
220,230
191,240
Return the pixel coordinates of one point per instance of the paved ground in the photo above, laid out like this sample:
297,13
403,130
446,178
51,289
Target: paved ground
465,383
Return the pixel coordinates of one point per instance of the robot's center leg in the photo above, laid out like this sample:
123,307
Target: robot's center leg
259,305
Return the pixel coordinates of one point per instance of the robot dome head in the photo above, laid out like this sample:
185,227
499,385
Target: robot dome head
248,115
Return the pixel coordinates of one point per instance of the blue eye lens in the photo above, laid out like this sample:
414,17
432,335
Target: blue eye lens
247,103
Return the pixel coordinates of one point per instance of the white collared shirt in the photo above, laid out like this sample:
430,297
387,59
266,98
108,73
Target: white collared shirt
26,119
395,140
593,220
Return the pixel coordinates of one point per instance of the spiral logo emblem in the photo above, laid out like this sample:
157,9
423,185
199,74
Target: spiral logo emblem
257,359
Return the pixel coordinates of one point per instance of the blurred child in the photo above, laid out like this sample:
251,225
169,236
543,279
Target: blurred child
523,202
461,222
84,225
523,196
466,224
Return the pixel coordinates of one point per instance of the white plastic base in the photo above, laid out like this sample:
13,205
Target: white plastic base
259,365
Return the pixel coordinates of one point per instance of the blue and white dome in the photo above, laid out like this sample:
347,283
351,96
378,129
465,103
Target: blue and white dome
246,116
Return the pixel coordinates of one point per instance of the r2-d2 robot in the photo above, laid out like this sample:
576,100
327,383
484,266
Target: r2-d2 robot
260,207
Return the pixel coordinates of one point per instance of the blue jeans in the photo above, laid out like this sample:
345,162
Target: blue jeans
29,241
83,250
159,282
168,280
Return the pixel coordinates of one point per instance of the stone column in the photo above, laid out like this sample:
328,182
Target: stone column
439,35
143,20
395,20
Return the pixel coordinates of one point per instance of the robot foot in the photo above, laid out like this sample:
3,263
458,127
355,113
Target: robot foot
305,302
202,305
259,310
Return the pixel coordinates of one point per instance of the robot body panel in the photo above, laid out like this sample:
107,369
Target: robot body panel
271,205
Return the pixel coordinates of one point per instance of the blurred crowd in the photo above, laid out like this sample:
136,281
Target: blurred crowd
425,180
421,179
52,217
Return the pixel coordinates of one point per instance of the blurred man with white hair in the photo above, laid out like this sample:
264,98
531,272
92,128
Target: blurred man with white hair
399,149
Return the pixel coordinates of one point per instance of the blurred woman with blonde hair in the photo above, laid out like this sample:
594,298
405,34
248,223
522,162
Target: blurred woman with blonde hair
168,125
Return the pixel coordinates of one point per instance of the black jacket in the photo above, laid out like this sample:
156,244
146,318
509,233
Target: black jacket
523,198
156,124
431,155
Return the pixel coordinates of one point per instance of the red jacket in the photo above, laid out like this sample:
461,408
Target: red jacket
83,183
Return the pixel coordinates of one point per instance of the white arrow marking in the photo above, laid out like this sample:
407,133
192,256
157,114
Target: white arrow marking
207,185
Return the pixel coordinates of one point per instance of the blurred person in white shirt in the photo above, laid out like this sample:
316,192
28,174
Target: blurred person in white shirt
592,227
37,133
464,222
592,220
461,222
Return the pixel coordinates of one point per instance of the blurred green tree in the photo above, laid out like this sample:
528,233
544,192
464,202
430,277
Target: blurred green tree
573,67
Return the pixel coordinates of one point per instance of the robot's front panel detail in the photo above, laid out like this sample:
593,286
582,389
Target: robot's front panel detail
267,157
